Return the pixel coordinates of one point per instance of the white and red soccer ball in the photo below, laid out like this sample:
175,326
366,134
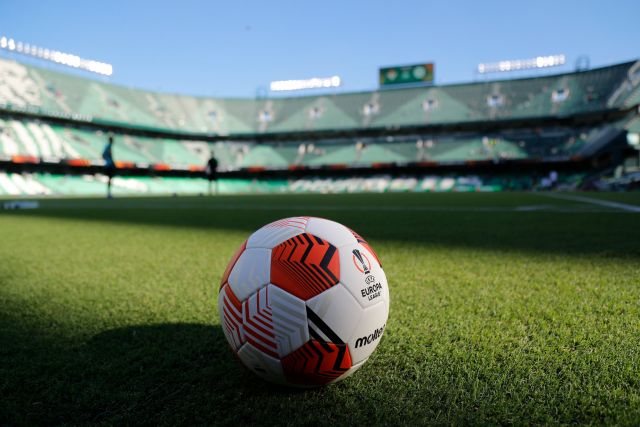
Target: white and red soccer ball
304,302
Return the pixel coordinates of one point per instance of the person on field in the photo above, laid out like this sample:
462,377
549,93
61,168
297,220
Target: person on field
109,164
211,171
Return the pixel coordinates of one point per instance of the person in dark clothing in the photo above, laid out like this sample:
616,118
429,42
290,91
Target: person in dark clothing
212,172
109,164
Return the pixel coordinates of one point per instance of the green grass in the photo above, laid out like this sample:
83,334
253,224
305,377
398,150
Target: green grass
505,308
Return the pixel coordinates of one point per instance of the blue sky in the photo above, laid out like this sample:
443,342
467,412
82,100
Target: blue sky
235,48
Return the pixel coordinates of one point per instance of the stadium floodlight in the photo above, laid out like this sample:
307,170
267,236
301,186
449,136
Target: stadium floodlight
313,83
58,57
522,64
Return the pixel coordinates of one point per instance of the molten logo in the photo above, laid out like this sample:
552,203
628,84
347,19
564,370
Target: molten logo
371,337
361,262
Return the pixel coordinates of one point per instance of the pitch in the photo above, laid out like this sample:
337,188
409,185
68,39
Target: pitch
507,308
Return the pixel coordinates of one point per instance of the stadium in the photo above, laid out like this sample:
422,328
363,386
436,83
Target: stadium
487,136
504,210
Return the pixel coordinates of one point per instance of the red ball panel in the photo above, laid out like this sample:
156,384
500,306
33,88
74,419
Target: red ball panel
316,363
305,266
232,317
258,323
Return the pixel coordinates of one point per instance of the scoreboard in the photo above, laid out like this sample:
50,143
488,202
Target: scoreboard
407,74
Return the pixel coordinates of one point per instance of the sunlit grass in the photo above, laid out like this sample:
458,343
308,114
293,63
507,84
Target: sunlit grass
498,316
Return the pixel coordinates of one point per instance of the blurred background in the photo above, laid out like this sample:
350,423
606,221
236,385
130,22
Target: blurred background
365,96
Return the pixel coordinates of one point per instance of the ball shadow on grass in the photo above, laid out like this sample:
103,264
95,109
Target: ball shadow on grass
153,374
179,372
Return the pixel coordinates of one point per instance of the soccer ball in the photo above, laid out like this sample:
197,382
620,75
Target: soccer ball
304,302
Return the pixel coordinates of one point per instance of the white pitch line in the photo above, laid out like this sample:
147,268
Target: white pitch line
584,199
426,209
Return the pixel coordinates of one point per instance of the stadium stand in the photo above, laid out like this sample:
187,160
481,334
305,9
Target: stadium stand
24,86
37,139
54,125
